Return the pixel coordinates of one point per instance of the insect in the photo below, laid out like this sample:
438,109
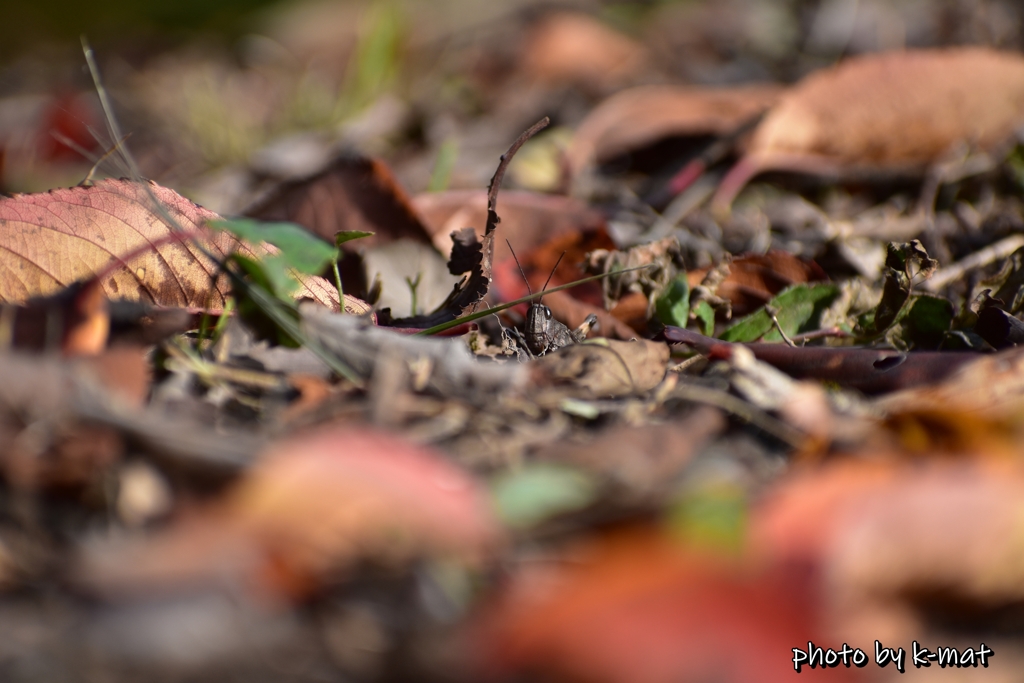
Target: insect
543,333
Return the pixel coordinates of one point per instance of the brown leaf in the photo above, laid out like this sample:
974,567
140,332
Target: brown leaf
938,546
314,505
352,193
753,279
606,368
638,608
897,111
641,116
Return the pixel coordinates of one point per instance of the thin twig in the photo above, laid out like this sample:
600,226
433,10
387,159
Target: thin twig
774,315
978,259
499,173
826,333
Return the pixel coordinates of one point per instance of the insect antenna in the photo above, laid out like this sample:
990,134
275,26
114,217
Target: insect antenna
521,271
550,274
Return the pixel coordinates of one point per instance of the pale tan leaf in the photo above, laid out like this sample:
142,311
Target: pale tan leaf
896,111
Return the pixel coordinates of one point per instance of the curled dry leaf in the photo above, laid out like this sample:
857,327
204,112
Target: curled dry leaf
637,608
604,368
312,507
641,116
897,111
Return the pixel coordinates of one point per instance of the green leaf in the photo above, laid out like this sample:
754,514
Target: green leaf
343,236
299,248
673,306
925,324
705,316
538,492
799,310
903,263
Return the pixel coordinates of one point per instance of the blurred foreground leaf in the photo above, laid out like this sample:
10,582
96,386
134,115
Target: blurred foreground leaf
538,492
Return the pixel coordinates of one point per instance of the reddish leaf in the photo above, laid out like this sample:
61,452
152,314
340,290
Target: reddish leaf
638,609
901,544
312,507
897,111
55,238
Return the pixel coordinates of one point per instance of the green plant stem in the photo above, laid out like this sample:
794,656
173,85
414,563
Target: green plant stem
337,282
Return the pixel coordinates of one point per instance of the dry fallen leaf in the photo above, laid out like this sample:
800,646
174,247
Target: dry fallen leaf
53,239
897,111
946,535
900,544
313,506
643,115
352,193
604,368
